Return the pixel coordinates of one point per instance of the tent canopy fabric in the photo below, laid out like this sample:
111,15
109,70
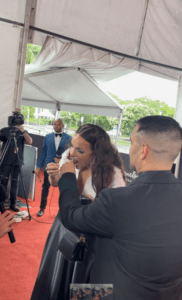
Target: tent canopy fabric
144,29
66,76
45,113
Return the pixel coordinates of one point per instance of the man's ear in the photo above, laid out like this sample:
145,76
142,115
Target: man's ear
144,151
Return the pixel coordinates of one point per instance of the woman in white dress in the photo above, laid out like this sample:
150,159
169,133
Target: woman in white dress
99,166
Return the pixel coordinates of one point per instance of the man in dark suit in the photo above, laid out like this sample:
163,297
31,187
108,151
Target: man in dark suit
138,227
51,143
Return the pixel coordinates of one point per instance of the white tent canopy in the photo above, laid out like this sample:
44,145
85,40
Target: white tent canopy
148,31
67,75
45,113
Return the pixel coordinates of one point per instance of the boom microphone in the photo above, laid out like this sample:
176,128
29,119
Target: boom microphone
2,209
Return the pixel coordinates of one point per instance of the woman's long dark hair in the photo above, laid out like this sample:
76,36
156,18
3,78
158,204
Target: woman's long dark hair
105,156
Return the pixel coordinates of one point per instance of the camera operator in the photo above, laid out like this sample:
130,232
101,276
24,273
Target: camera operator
10,164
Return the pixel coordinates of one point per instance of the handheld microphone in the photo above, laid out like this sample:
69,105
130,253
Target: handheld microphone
59,153
37,176
2,209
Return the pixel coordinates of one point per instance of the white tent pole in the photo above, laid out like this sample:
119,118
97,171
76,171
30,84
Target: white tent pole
176,173
22,57
178,118
119,127
28,117
57,115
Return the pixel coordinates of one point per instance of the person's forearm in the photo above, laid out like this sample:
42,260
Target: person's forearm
54,180
28,139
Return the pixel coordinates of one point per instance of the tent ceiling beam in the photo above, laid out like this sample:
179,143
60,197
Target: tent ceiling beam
119,128
11,22
72,104
48,72
105,50
38,101
170,77
41,90
142,27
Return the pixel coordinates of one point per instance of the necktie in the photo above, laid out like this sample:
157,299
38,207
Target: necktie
56,134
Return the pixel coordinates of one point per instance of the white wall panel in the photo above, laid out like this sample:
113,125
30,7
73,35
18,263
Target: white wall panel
8,64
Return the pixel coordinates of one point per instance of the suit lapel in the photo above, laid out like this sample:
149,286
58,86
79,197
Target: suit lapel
53,140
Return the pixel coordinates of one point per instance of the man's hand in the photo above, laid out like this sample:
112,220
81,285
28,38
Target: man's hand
6,220
53,169
21,128
68,166
36,171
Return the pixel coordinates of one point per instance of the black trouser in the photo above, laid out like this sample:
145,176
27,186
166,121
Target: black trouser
14,171
45,191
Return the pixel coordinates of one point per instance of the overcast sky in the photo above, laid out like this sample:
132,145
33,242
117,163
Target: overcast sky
137,85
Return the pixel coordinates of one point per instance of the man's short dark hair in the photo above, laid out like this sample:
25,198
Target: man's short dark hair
159,124
163,135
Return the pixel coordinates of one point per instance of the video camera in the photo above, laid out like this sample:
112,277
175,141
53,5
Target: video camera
15,119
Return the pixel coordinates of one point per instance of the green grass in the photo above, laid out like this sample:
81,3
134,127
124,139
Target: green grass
122,143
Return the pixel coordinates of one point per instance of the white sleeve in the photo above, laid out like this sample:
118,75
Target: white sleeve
64,157
118,180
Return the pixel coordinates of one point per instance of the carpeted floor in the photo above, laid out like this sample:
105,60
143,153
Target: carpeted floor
19,262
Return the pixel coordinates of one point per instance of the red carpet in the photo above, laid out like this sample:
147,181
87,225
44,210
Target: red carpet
19,262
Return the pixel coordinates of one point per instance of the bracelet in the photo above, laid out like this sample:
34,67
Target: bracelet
24,131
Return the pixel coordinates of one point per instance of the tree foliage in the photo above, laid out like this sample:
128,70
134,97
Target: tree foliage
32,52
25,109
132,110
139,108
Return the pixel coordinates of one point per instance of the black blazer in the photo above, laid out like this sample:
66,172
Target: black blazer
139,234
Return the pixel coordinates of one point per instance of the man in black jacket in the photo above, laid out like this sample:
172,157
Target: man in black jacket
10,163
138,227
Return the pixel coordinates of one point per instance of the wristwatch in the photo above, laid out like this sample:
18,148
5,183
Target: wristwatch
24,131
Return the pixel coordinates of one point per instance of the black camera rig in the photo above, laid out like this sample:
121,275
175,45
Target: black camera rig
16,119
